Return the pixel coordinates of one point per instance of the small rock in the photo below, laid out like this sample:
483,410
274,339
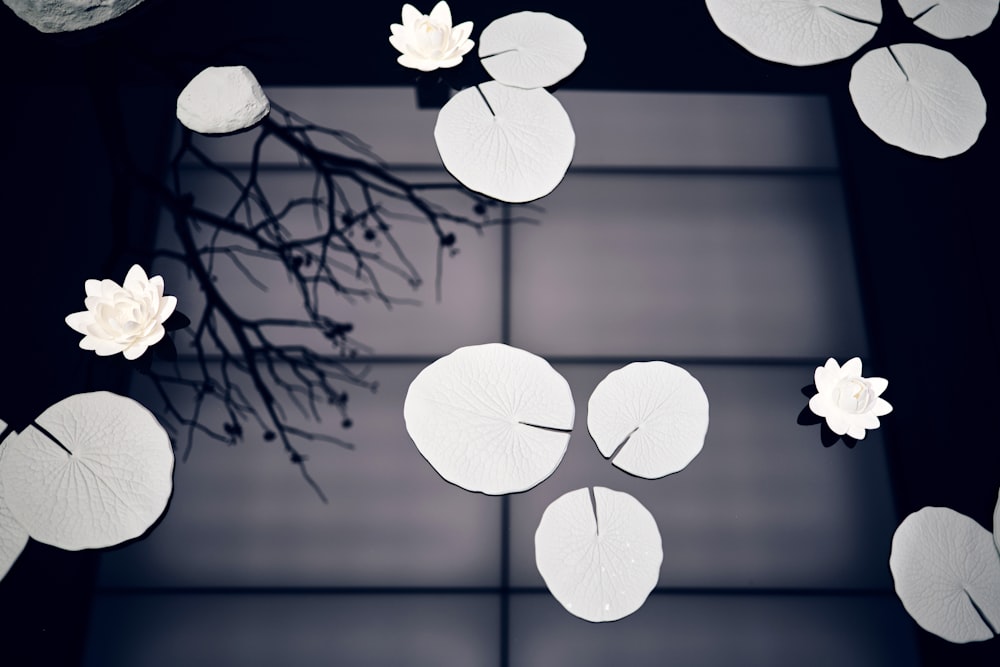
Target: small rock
221,100
68,15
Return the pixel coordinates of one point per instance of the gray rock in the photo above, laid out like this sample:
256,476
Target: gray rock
68,15
221,100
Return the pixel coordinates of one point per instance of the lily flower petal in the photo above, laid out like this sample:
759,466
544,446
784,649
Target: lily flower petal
879,385
820,405
827,375
852,368
882,407
441,14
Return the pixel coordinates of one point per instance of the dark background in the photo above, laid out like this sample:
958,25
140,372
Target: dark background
925,229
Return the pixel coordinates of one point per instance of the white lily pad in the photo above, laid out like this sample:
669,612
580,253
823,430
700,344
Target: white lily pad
951,19
798,32
600,557
531,49
996,524
508,143
649,417
490,418
106,481
919,98
947,574
13,536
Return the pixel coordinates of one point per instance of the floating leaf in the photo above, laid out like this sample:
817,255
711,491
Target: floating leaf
508,143
947,574
651,417
13,536
798,32
490,418
93,471
951,19
600,556
531,49
996,524
919,98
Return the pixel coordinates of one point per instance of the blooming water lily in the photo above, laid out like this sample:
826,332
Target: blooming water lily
428,42
125,318
850,403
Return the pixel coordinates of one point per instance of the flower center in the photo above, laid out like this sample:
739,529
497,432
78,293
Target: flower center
431,36
853,395
127,316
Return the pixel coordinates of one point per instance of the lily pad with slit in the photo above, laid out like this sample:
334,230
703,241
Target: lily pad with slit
507,143
650,418
798,32
94,470
599,552
490,418
531,49
946,571
921,99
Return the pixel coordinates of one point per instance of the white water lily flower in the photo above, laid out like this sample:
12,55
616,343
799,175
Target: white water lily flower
850,403
125,318
428,42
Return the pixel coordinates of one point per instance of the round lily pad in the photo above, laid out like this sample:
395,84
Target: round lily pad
599,555
951,19
508,143
919,98
93,471
531,49
13,536
490,418
947,574
649,417
996,524
798,32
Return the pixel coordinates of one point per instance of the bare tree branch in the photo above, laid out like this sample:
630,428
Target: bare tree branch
240,364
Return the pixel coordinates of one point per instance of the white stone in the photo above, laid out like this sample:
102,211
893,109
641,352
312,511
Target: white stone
221,100
68,15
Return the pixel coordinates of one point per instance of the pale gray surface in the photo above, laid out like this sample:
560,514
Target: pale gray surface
633,129
716,630
763,505
243,516
620,129
301,630
637,263
648,265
